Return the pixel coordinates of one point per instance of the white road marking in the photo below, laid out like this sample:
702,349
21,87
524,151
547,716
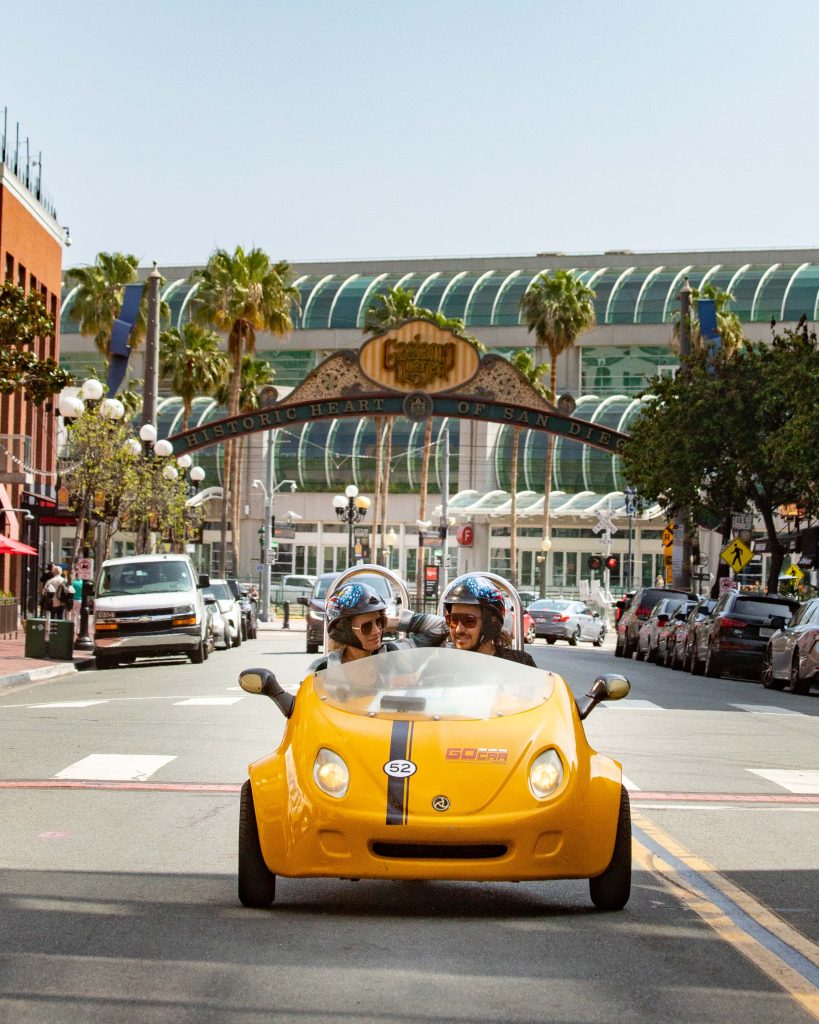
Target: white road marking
632,705
766,709
209,701
70,704
794,780
116,767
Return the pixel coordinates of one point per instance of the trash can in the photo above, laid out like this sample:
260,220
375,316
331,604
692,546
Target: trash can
35,646
60,644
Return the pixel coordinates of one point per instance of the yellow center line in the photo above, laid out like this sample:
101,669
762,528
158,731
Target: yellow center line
778,970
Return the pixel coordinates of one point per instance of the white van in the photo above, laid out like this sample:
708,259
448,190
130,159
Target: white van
148,606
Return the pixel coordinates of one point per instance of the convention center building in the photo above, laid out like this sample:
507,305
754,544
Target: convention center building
636,299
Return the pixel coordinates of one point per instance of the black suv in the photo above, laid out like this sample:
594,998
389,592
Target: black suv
638,610
735,634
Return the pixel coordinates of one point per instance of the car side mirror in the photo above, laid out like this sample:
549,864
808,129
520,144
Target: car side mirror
303,600
262,680
204,581
611,686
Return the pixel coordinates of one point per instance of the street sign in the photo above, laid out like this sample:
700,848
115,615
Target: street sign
668,536
742,521
85,569
726,583
737,554
794,572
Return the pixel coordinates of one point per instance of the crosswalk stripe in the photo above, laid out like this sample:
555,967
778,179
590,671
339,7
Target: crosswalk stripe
206,701
795,780
116,767
70,704
766,709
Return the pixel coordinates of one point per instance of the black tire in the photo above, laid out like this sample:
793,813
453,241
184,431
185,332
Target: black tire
531,636
312,648
674,664
257,883
574,638
550,639
713,668
599,641
200,654
795,684
618,650
611,890
628,647
696,664
768,680
651,654
237,640
639,654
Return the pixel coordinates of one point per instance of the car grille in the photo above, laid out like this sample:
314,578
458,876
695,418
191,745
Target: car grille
439,851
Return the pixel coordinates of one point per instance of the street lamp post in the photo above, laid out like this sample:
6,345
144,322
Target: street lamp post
545,548
630,495
350,508
268,533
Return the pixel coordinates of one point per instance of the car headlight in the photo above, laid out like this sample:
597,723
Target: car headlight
546,774
331,774
184,609
104,616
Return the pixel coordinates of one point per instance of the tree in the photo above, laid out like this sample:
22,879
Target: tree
98,300
533,373
557,308
731,433
242,293
193,362
23,319
728,323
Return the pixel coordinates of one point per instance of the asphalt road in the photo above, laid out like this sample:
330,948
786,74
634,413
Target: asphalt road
119,904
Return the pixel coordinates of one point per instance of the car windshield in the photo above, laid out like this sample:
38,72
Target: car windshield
549,606
221,591
763,608
433,683
143,578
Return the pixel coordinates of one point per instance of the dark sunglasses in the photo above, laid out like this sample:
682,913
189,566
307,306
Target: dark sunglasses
463,619
367,627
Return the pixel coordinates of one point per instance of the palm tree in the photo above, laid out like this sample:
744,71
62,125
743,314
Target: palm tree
193,362
533,373
557,308
241,293
98,300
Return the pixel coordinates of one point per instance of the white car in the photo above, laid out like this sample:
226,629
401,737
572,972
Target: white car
219,628
230,609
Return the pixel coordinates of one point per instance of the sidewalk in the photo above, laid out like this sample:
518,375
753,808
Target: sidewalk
16,668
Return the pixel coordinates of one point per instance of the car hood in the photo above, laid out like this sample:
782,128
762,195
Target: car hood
145,602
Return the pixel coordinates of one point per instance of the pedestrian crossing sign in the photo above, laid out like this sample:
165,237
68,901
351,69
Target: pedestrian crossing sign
794,572
737,554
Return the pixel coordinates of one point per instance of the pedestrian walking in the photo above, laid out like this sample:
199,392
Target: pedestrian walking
55,593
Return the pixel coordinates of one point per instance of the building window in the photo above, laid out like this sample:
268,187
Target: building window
9,267
21,275
33,283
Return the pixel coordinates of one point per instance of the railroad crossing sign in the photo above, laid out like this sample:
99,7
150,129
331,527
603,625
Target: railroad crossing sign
794,572
737,554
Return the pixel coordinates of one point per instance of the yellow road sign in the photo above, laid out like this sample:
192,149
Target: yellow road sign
668,536
737,554
794,572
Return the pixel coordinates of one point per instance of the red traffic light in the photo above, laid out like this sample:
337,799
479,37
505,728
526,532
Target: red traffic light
613,562
595,562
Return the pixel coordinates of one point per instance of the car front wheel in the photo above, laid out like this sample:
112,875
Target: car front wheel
574,637
611,890
713,669
795,683
257,883
531,636
200,654
237,640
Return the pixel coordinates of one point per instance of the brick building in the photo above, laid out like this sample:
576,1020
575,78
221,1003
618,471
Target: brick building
31,242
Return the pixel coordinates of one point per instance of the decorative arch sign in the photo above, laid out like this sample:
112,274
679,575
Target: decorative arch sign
416,370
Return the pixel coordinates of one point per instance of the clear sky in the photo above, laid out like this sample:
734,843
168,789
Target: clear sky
350,129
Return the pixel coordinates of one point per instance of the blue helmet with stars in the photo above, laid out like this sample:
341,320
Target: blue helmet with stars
352,599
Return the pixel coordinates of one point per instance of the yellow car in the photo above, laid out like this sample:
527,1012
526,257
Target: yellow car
440,764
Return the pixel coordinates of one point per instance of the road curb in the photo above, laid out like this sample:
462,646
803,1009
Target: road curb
34,675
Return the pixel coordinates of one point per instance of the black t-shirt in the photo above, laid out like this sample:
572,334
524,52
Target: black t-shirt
519,657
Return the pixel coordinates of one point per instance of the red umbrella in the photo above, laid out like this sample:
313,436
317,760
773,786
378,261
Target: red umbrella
15,547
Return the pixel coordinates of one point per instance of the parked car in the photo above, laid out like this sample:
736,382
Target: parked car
229,607
638,610
529,631
557,619
666,635
290,588
249,606
149,606
679,644
435,765
735,635
791,658
314,604
648,635
218,628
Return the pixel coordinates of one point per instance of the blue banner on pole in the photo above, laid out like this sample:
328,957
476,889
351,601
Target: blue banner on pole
120,333
707,312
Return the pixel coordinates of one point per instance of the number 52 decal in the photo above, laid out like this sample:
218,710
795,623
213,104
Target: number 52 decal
399,769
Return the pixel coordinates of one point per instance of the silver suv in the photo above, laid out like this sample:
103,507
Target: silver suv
148,606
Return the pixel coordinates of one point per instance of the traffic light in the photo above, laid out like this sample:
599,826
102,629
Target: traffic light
612,562
595,562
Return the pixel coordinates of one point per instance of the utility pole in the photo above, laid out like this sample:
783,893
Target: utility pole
151,384
681,550
444,529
